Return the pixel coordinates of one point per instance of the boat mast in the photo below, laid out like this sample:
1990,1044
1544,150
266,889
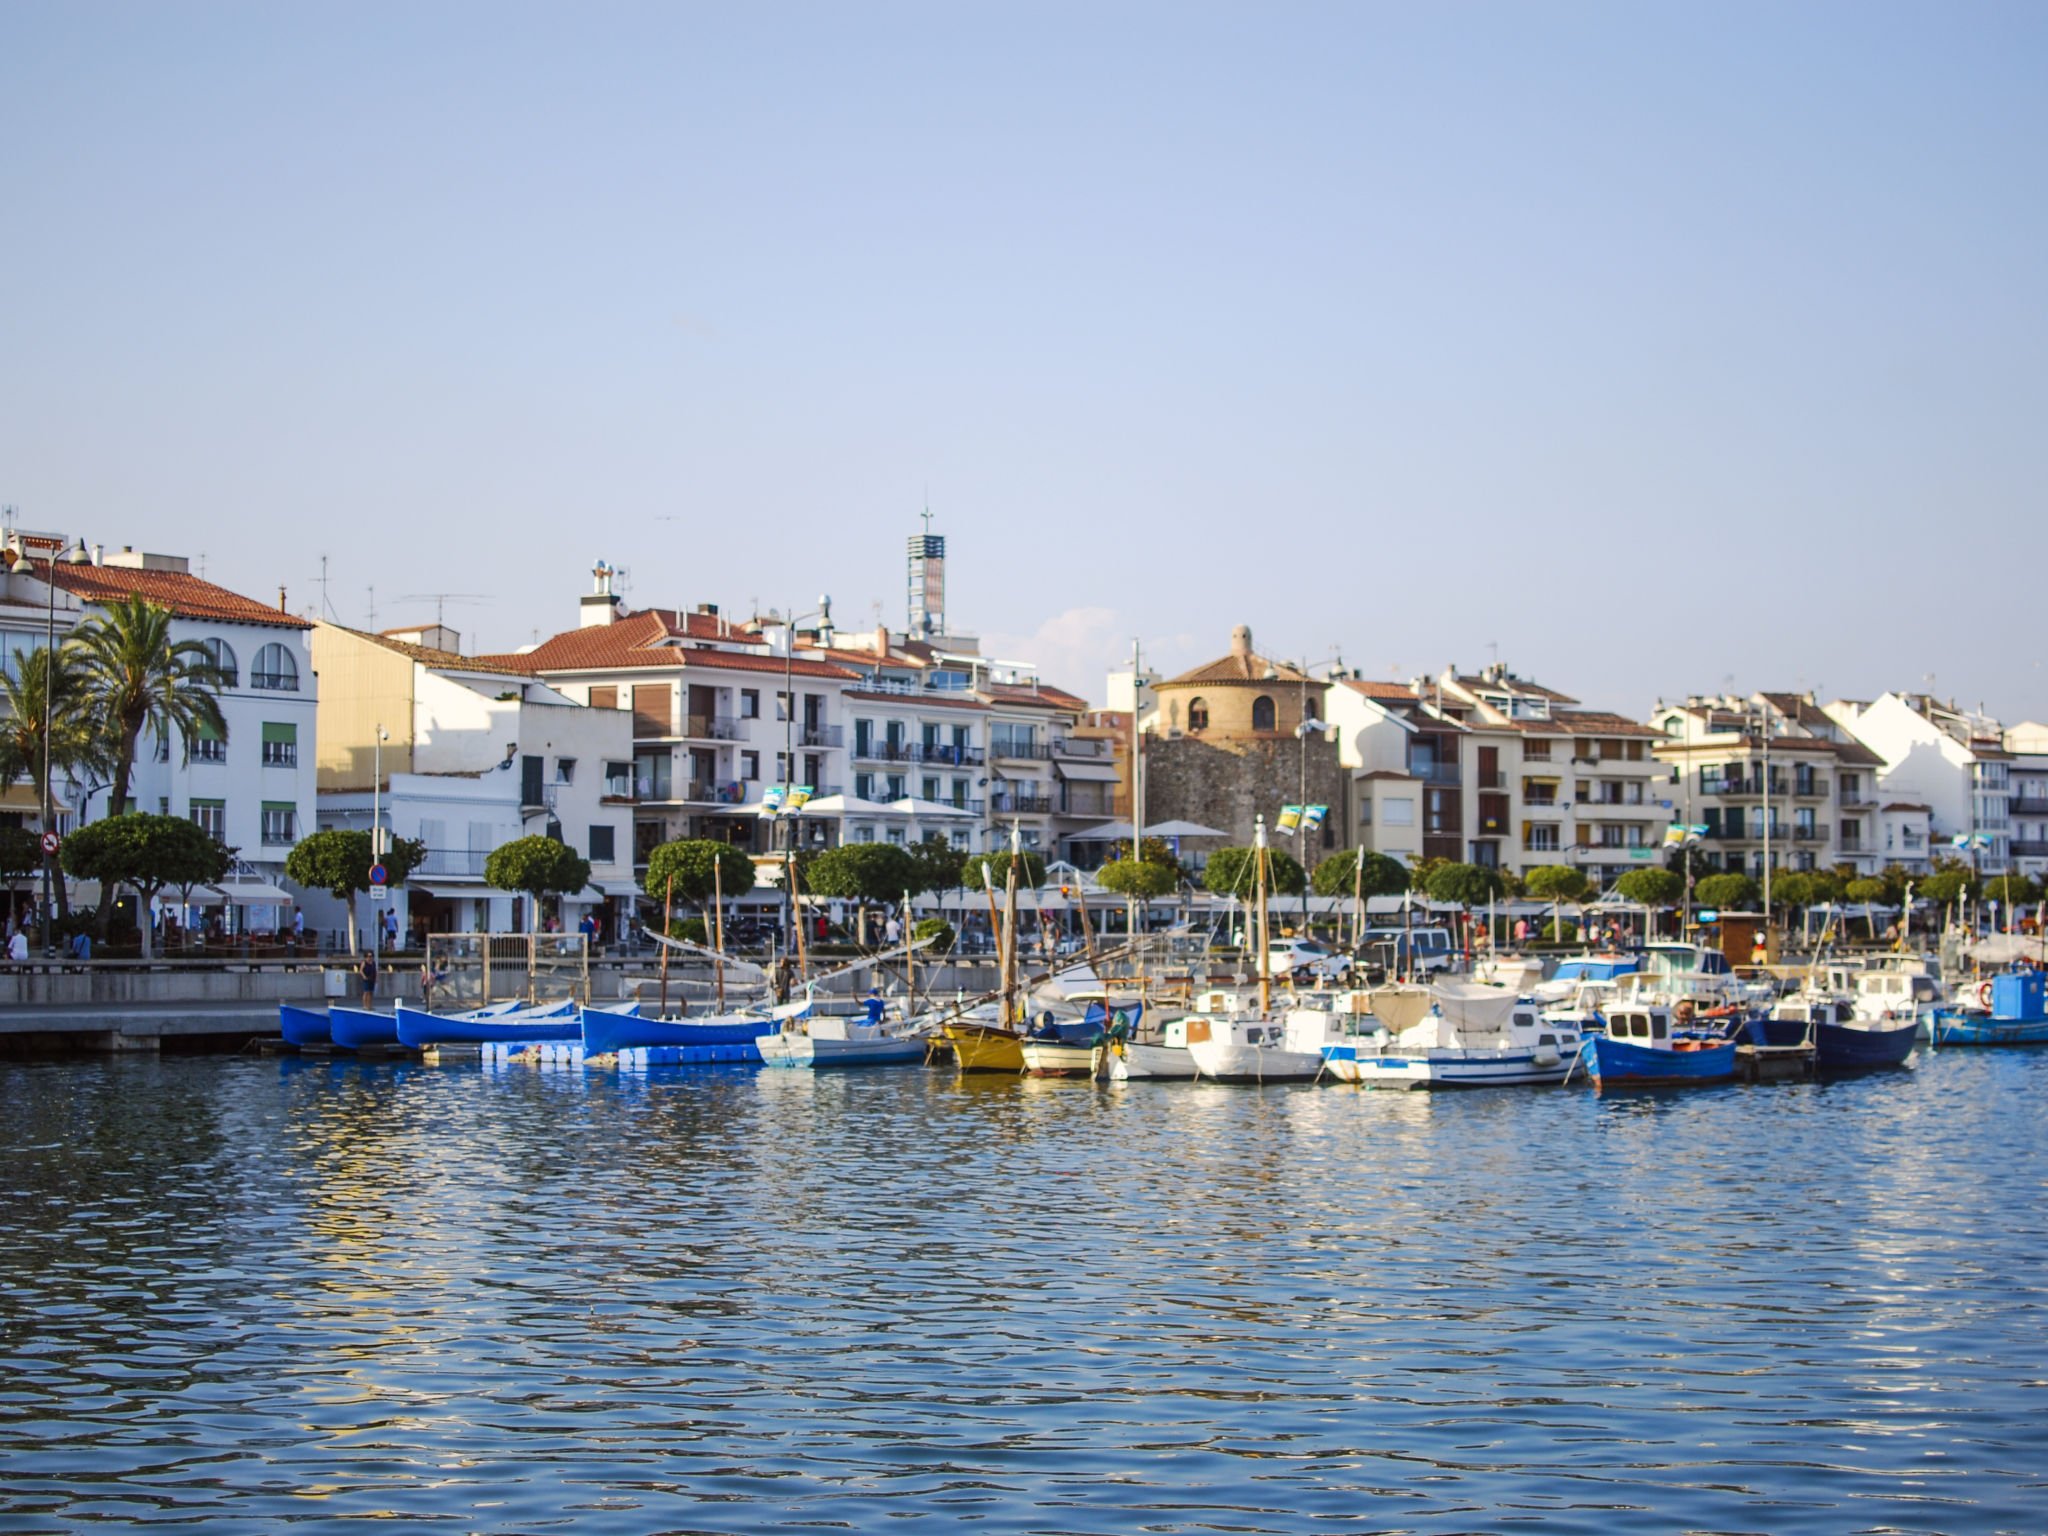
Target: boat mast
1265,942
718,924
796,913
1137,803
1010,923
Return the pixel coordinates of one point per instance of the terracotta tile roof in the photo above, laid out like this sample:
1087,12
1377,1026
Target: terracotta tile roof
1043,695
1382,773
645,639
451,661
185,595
1237,670
1579,722
1392,693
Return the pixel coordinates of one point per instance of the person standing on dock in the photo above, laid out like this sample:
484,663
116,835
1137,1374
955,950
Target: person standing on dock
368,972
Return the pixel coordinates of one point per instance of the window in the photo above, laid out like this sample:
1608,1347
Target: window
275,669
894,786
1009,739
1365,813
565,770
280,823
960,841
618,778
1198,715
863,786
163,807
280,744
1635,751
604,698
1536,751
653,776
929,789
863,834
208,746
1539,836
863,738
896,836
750,765
750,703
1399,812
603,846
1609,749
211,817
221,656
960,793
784,703
1262,713
163,747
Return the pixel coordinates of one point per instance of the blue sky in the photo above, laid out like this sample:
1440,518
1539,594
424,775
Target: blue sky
1665,348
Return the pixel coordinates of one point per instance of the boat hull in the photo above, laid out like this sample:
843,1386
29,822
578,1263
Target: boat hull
302,1026
421,1030
607,1033
354,1028
1841,1048
1227,1062
1134,1060
1614,1061
790,1050
1981,1029
1052,1058
1444,1068
986,1048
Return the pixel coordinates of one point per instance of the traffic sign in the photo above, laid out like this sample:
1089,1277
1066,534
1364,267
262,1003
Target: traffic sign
380,893
379,875
50,841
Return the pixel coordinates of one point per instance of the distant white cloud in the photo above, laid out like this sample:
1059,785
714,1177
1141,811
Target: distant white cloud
1078,648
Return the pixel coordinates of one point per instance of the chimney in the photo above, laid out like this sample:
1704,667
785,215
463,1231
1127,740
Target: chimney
600,605
280,600
99,554
881,639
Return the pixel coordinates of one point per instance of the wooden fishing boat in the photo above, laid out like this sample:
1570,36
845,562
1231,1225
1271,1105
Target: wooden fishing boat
1640,1047
1063,1050
1478,1037
302,1026
355,1028
605,1033
982,1047
1842,1040
839,1042
422,1030
2016,1017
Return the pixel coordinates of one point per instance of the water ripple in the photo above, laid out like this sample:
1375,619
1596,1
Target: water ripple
253,1294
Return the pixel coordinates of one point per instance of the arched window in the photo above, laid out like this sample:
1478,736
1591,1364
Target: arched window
1198,715
275,669
222,655
1262,713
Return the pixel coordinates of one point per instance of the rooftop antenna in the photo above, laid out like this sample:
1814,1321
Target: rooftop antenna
441,600
373,607
326,607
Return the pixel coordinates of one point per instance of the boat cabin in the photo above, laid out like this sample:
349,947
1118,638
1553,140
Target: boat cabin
1896,987
1651,1029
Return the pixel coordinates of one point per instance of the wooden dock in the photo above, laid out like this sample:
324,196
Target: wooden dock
1769,1063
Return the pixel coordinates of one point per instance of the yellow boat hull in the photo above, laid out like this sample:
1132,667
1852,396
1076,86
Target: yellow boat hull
986,1048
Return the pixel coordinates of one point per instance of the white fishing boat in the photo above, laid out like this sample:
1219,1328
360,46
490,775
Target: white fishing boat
1476,1037
1162,1052
1255,1048
831,1041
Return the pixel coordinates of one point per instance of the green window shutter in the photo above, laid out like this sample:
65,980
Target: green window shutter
276,805
275,732
215,805
206,732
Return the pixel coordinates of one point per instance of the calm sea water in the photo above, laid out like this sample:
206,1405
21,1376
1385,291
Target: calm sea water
241,1294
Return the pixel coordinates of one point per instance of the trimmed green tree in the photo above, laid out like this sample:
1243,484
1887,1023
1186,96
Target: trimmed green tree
1229,871
1556,882
939,931
1868,890
703,868
537,867
338,862
1949,885
1030,873
1383,876
1651,886
863,873
147,852
1470,885
1141,879
935,864
1734,892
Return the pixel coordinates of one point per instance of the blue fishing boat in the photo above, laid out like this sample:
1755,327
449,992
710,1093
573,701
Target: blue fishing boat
1640,1047
1841,1041
604,1033
302,1026
2017,1015
354,1028
557,1021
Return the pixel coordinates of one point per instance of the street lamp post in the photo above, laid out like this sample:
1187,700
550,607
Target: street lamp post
788,840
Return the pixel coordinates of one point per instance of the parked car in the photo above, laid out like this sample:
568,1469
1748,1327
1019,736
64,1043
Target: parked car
1305,959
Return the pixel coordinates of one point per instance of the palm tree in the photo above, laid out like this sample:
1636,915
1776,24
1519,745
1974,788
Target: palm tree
76,743
138,675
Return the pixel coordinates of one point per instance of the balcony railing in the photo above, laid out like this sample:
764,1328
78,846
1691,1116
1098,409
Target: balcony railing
2028,850
1809,834
1855,797
1491,780
452,861
1083,746
712,792
823,736
1020,805
1435,773
1811,789
2024,807
1019,751
715,728
946,755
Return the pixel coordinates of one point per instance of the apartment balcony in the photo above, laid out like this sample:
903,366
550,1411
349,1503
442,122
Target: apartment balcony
1813,789
2019,806
713,792
447,862
2028,850
1551,807
1856,797
1020,805
714,728
946,755
883,751
822,736
1809,834
1019,752
1435,773
1083,746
